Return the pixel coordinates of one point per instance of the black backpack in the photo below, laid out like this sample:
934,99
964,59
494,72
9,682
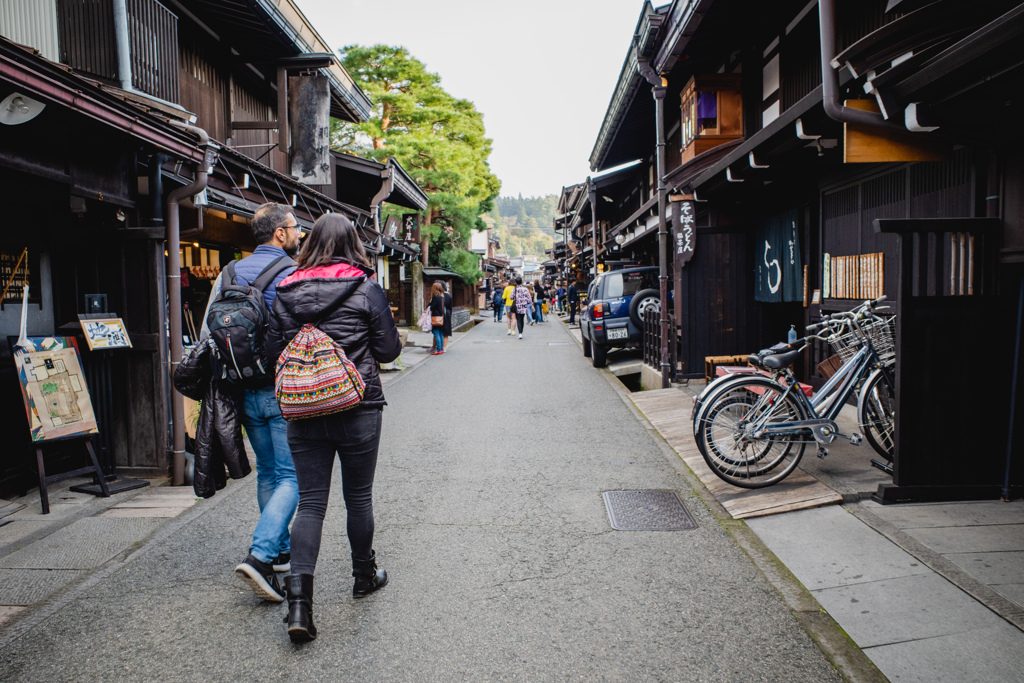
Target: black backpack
238,322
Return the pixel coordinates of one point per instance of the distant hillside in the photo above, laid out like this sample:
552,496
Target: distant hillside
525,226
531,212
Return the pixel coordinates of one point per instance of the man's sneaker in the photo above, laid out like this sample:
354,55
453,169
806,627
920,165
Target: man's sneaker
261,578
283,562
520,335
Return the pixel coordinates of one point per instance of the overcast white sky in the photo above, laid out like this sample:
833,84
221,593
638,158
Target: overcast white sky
540,71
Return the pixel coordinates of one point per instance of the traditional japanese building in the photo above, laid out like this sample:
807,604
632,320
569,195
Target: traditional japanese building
139,137
811,155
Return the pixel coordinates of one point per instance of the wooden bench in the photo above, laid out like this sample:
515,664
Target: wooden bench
747,370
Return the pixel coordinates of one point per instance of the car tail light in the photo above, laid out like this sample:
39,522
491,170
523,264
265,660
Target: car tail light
598,310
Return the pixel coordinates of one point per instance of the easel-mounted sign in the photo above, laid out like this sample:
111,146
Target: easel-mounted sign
57,401
105,333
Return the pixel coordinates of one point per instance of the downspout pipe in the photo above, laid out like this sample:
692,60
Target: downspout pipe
592,192
173,215
659,86
122,43
834,107
386,188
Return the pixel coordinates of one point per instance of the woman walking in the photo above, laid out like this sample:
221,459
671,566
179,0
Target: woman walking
523,302
437,317
510,304
333,288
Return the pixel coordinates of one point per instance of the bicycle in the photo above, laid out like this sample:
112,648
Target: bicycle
752,430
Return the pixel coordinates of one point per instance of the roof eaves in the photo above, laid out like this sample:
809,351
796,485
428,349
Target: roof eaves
625,90
404,182
681,22
286,14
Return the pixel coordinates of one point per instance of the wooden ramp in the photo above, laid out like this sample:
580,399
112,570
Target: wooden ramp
669,411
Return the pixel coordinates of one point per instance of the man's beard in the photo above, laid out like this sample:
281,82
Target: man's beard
293,249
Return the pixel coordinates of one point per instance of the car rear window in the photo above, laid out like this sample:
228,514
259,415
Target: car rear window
617,285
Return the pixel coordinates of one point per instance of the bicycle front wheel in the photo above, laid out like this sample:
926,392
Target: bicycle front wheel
730,438
876,413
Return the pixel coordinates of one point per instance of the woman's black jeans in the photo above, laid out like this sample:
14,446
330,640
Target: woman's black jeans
520,321
355,436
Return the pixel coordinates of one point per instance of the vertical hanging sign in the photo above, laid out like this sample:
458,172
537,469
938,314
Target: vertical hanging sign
411,227
309,109
685,232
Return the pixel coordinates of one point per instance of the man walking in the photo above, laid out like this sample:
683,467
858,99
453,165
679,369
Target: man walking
277,232
498,303
574,302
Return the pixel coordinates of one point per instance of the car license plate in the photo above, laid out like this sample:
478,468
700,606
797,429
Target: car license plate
620,333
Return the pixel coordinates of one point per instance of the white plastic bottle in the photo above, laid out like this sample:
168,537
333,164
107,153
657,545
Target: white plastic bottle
791,339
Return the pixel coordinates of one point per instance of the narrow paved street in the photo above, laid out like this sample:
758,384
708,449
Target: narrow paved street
491,524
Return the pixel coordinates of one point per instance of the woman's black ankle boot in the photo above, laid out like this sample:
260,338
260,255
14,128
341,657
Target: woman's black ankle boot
369,577
300,608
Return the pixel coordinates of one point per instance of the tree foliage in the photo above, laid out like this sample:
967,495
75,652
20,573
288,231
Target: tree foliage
439,139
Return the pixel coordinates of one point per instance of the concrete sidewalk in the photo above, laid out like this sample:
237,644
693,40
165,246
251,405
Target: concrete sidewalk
943,605
929,592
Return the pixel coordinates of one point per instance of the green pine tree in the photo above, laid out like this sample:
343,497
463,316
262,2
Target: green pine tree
439,139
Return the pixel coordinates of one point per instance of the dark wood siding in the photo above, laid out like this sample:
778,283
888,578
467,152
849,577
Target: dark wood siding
717,291
153,36
203,86
247,106
86,32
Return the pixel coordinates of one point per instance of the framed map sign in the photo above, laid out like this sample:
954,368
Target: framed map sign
53,386
105,333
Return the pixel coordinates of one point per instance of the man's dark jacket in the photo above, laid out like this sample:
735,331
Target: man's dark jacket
218,429
351,309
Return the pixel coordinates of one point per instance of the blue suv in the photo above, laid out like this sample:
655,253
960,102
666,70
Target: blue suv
614,315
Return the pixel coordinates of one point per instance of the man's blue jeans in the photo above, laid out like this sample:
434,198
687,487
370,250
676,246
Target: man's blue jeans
498,310
277,489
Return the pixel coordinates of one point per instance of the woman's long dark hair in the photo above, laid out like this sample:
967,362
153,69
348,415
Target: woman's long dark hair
333,236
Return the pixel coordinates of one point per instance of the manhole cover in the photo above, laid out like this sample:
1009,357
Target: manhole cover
647,511
558,343
490,341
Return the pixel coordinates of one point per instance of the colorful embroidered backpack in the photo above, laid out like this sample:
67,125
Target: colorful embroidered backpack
315,377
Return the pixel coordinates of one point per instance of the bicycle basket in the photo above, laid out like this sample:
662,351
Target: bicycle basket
879,331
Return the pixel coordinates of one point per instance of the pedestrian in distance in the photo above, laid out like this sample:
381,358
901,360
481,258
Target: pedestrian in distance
523,302
498,304
510,309
560,294
333,288
538,302
437,317
530,315
574,301
449,305
277,492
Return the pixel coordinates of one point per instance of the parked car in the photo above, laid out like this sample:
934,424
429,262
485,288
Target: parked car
613,316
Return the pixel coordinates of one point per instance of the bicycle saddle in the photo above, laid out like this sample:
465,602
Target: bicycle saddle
780,360
757,359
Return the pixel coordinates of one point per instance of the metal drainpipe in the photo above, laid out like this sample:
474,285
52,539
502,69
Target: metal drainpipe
121,41
388,175
659,85
174,294
834,108
592,191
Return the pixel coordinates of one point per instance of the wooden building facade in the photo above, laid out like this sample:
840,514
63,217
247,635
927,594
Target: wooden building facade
832,152
119,120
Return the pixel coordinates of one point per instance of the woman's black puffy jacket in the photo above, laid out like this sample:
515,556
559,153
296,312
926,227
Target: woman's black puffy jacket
348,307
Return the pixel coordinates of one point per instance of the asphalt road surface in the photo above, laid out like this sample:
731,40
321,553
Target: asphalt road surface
492,527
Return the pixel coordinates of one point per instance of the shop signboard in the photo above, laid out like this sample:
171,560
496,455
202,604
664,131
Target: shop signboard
53,387
411,227
685,238
309,109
